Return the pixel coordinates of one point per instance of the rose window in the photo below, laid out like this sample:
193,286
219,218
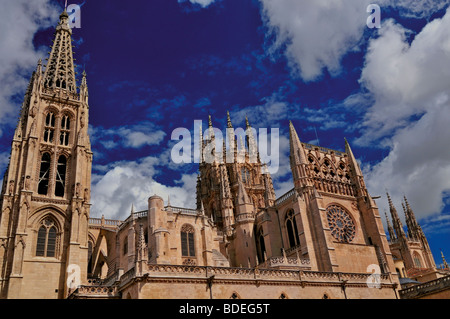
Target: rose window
341,224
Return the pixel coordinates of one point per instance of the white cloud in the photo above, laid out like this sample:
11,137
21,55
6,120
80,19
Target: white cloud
411,114
315,35
19,21
132,136
420,9
133,182
406,80
202,3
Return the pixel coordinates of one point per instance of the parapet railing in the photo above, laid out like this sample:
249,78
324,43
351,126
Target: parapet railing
104,222
426,288
285,197
235,273
323,149
173,209
285,262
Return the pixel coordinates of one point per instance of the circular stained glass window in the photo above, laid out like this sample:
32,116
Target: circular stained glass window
341,224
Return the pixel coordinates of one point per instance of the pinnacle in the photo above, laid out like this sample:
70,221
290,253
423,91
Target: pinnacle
247,123
296,149
229,125
210,121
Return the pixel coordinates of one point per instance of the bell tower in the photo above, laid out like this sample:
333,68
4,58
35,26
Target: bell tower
45,198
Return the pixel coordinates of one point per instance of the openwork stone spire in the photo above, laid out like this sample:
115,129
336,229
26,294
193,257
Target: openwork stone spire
60,72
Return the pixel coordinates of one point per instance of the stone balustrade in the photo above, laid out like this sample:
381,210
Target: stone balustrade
426,288
286,262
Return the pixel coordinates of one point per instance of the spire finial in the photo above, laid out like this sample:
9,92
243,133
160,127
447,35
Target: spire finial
210,121
64,13
389,199
229,125
443,260
247,123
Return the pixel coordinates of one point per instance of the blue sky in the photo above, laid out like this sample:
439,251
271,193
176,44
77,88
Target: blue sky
153,66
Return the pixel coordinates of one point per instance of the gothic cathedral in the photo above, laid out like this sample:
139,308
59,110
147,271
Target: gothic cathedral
322,239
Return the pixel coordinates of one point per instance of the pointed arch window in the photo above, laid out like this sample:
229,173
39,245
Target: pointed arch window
245,173
416,259
125,245
90,250
292,230
261,246
46,239
187,241
44,174
49,127
61,176
65,131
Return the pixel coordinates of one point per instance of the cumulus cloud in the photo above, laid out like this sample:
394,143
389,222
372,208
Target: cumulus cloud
19,21
133,182
316,35
406,80
409,84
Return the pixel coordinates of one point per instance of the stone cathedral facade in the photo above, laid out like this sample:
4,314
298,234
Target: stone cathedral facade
322,239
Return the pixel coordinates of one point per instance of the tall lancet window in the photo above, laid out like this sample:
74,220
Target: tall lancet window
46,239
49,127
61,176
245,173
65,131
261,245
292,231
44,174
187,241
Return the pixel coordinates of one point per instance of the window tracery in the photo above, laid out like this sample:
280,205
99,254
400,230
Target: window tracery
47,239
61,176
65,131
292,230
44,174
341,224
187,241
49,127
